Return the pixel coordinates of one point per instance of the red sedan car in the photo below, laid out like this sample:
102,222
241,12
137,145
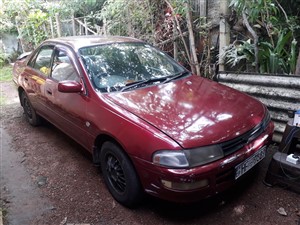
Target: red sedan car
151,125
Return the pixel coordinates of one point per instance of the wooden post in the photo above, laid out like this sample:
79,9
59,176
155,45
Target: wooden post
73,24
80,29
85,27
224,32
58,25
51,27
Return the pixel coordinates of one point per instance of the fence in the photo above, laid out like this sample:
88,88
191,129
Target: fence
280,93
73,26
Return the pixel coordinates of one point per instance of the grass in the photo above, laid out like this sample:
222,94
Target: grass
5,76
6,73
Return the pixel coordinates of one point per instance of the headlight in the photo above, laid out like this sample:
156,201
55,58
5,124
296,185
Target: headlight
188,158
174,159
203,155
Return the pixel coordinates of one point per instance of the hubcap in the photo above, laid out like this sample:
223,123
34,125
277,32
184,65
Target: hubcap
115,174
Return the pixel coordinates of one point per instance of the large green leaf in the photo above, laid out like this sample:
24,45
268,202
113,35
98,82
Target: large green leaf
282,41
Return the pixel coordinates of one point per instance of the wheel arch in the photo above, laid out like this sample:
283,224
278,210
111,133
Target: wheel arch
100,140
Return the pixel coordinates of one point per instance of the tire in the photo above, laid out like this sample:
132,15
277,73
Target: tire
120,176
29,112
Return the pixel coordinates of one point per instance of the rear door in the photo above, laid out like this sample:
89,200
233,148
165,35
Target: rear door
35,74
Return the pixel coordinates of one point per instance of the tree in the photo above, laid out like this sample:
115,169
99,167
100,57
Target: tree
155,22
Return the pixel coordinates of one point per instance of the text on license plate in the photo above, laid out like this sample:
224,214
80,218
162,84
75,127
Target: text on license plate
246,165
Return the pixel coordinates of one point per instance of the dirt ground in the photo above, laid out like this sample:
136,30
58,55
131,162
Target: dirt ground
46,178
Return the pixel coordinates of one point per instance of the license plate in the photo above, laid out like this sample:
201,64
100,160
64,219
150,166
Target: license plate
246,165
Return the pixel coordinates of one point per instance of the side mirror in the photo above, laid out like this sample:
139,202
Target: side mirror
69,86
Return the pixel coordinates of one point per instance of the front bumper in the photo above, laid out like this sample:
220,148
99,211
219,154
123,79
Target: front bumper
190,185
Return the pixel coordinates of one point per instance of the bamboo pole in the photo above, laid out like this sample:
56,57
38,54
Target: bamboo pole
86,27
175,50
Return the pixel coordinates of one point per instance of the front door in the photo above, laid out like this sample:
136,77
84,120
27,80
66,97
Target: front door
68,110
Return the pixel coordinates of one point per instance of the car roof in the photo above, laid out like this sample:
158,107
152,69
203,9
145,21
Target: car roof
77,42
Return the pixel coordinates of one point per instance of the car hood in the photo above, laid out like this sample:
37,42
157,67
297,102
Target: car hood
193,111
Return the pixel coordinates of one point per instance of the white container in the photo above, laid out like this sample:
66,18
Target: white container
297,119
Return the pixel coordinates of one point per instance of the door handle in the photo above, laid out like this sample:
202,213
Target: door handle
49,92
26,79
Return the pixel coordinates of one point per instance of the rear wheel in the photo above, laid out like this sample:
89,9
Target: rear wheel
29,111
120,176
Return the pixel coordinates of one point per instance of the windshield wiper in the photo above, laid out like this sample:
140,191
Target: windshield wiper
176,76
143,82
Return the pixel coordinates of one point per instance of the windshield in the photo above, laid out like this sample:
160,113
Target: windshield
115,66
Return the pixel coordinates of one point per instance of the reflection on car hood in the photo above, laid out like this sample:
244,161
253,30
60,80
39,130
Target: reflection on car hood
193,111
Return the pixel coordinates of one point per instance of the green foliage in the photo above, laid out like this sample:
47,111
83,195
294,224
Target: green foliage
3,59
255,9
31,17
34,30
236,53
272,59
277,59
6,73
28,16
129,17
178,6
80,7
277,36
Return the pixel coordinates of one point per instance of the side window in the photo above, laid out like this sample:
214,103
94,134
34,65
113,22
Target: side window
42,61
62,68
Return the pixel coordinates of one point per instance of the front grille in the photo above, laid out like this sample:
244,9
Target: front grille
234,145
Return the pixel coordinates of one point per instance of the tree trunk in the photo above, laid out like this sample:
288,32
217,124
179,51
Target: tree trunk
255,39
194,59
224,32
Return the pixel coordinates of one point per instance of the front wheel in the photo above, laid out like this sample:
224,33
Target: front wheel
29,111
120,176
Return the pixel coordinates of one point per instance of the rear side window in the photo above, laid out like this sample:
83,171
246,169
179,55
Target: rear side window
42,60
